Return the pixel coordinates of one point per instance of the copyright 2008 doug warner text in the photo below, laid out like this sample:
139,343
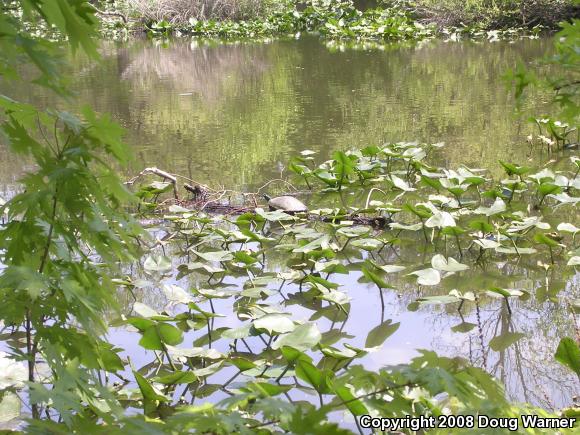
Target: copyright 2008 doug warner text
465,422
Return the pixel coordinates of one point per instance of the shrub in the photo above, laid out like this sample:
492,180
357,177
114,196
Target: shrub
180,11
495,13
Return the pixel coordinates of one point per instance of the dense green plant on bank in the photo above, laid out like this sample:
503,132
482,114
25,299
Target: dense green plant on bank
331,18
494,14
336,19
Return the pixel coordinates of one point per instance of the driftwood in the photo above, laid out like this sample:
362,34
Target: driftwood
206,199
159,172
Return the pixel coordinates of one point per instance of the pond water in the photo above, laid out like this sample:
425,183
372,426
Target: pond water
232,114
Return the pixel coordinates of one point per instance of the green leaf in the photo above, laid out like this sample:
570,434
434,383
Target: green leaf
568,354
238,333
390,268
431,182
549,188
503,341
343,166
368,244
335,297
463,327
214,256
440,219
23,278
147,390
354,405
568,228
380,283
498,206
427,276
144,310
77,21
157,264
512,169
318,379
275,323
245,258
304,337
176,295
545,240
378,335
160,334
401,184
420,211
175,378
439,262
291,355
242,364
505,292
266,389
354,231
320,283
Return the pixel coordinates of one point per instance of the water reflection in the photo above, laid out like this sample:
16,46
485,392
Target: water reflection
231,114
518,349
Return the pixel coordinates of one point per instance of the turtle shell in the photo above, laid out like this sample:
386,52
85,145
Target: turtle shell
287,203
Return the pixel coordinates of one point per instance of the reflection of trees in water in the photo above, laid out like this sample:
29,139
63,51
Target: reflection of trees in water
254,104
527,368
231,124
200,68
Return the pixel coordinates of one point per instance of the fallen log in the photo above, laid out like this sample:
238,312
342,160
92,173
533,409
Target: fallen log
156,171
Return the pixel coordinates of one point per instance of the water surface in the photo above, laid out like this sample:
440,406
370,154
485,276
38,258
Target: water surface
232,114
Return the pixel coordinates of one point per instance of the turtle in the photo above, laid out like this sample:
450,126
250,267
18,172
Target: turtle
286,203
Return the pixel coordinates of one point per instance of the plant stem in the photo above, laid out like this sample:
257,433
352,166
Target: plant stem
458,244
31,359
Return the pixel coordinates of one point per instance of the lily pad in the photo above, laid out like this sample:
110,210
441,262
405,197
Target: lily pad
439,262
427,276
275,323
304,337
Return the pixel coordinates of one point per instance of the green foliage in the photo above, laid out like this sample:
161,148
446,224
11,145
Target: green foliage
493,14
21,21
64,239
339,19
271,352
65,236
335,19
568,354
560,129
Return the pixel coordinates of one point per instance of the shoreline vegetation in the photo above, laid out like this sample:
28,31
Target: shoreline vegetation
386,20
